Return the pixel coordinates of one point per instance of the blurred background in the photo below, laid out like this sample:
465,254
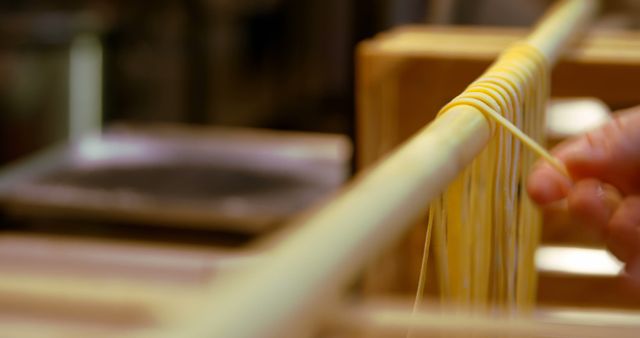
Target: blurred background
143,75
151,142
71,66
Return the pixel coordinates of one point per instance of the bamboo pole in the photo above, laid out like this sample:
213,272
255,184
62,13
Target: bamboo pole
305,272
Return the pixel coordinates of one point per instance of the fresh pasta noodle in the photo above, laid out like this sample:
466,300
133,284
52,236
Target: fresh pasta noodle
485,228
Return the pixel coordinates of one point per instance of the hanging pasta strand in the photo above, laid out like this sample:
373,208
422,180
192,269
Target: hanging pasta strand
485,227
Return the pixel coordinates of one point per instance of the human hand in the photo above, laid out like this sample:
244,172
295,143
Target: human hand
605,193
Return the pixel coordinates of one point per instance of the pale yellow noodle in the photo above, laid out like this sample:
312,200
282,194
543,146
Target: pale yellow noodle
485,228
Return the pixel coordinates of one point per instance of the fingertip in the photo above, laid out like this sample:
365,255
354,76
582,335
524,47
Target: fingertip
545,185
583,156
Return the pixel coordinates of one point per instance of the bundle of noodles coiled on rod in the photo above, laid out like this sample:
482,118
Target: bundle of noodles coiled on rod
484,225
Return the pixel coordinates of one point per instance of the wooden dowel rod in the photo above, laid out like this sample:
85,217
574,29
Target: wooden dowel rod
310,265
306,270
561,25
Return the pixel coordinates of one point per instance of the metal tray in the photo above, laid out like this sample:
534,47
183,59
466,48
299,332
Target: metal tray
196,177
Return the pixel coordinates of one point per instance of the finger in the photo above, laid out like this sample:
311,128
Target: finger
592,203
587,156
545,184
610,153
622,234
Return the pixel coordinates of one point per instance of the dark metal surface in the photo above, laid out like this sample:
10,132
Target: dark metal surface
232,179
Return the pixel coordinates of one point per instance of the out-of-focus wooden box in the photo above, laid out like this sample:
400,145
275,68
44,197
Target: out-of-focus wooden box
406,75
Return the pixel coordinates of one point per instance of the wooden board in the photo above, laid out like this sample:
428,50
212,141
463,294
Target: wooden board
61,286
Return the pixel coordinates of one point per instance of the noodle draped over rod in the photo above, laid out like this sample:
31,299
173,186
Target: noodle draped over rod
485,227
